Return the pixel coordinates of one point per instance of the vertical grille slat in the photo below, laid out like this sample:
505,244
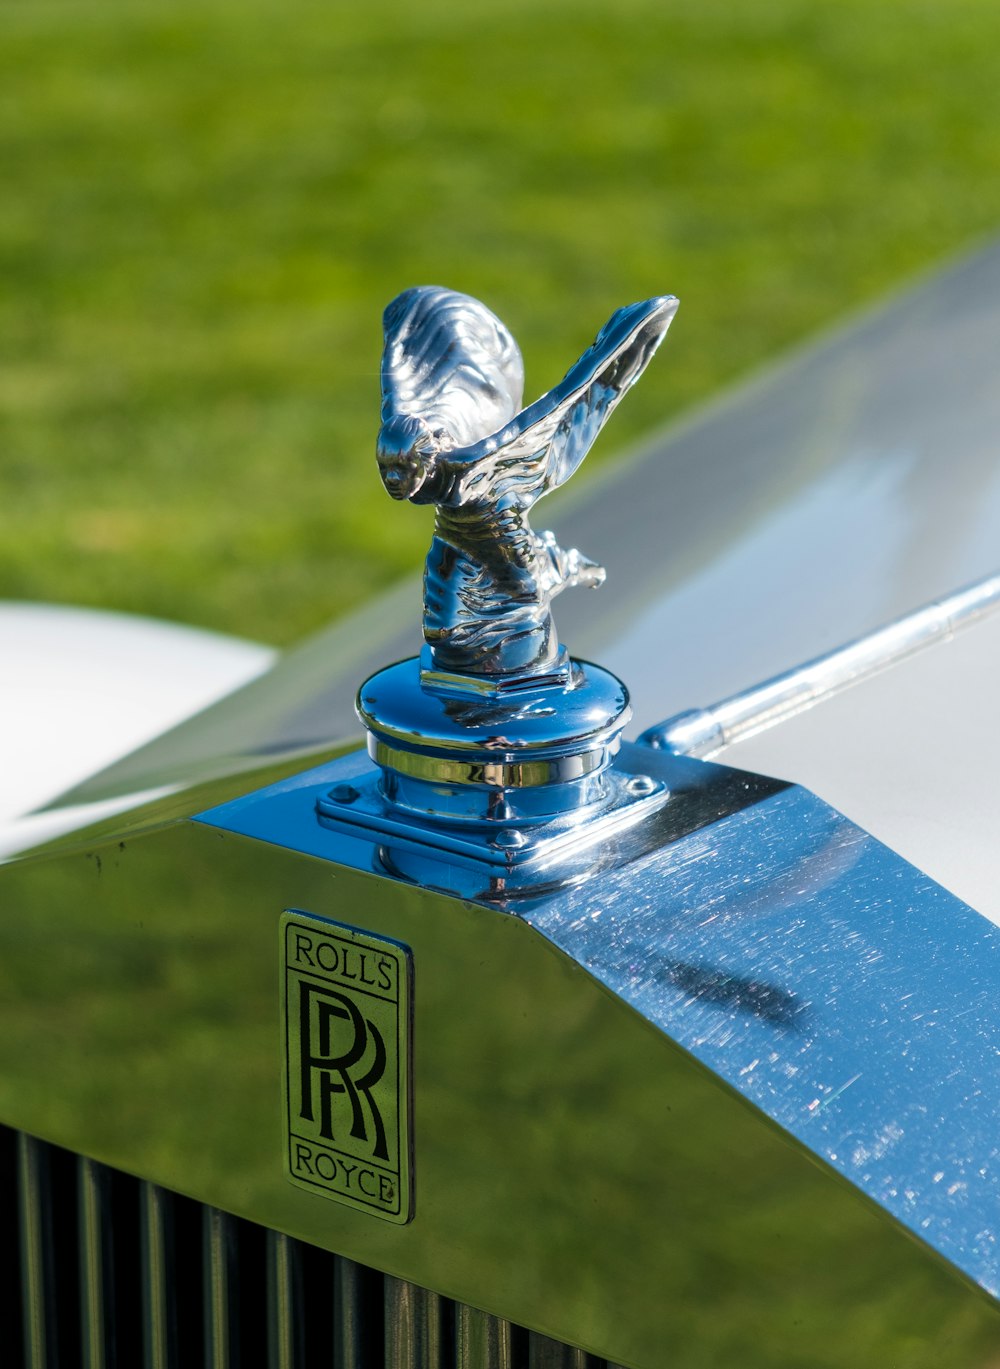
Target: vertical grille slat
11,1305
37,1254
222,1328
97,1275
284,1301
159,1317
414,1326
482,1341
117,1272
357,1303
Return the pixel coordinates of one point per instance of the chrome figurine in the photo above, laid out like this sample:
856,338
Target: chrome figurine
454,434
492,754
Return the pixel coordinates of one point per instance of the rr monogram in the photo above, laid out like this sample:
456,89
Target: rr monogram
354,1072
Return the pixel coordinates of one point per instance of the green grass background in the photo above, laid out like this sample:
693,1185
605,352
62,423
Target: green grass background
205,207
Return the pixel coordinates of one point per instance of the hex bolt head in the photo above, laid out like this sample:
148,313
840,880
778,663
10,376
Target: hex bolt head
343,793
640,785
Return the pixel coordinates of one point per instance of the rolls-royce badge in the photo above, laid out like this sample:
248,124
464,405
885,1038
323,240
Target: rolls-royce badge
346,1001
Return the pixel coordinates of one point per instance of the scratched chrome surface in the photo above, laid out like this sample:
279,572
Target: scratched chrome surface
828,982
832,985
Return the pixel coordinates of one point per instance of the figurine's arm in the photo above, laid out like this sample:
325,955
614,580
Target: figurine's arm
546,442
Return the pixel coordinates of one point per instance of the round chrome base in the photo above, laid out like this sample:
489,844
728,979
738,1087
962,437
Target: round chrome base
524,750
479,786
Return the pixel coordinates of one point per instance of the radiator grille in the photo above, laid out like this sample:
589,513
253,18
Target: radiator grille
117,1273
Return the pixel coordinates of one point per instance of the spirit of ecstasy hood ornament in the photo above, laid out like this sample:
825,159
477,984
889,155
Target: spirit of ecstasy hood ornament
492,752
454,435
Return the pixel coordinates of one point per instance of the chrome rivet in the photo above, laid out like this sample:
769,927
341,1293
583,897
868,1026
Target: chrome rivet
343,793
510,840
640,785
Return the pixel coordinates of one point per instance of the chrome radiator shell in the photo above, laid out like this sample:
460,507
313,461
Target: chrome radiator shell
585,1164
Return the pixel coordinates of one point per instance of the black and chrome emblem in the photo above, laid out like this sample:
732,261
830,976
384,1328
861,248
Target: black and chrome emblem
346,1002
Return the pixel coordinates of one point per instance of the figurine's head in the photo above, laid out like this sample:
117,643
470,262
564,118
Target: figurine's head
406,451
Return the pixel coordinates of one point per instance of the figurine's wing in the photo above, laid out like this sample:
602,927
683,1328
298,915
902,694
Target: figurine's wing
448,360
544,444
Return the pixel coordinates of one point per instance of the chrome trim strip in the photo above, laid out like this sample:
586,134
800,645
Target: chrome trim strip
704,732
493,774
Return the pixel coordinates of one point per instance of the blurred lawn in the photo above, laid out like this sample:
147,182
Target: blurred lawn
206,206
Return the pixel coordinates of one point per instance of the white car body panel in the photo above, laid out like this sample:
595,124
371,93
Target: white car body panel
80,688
